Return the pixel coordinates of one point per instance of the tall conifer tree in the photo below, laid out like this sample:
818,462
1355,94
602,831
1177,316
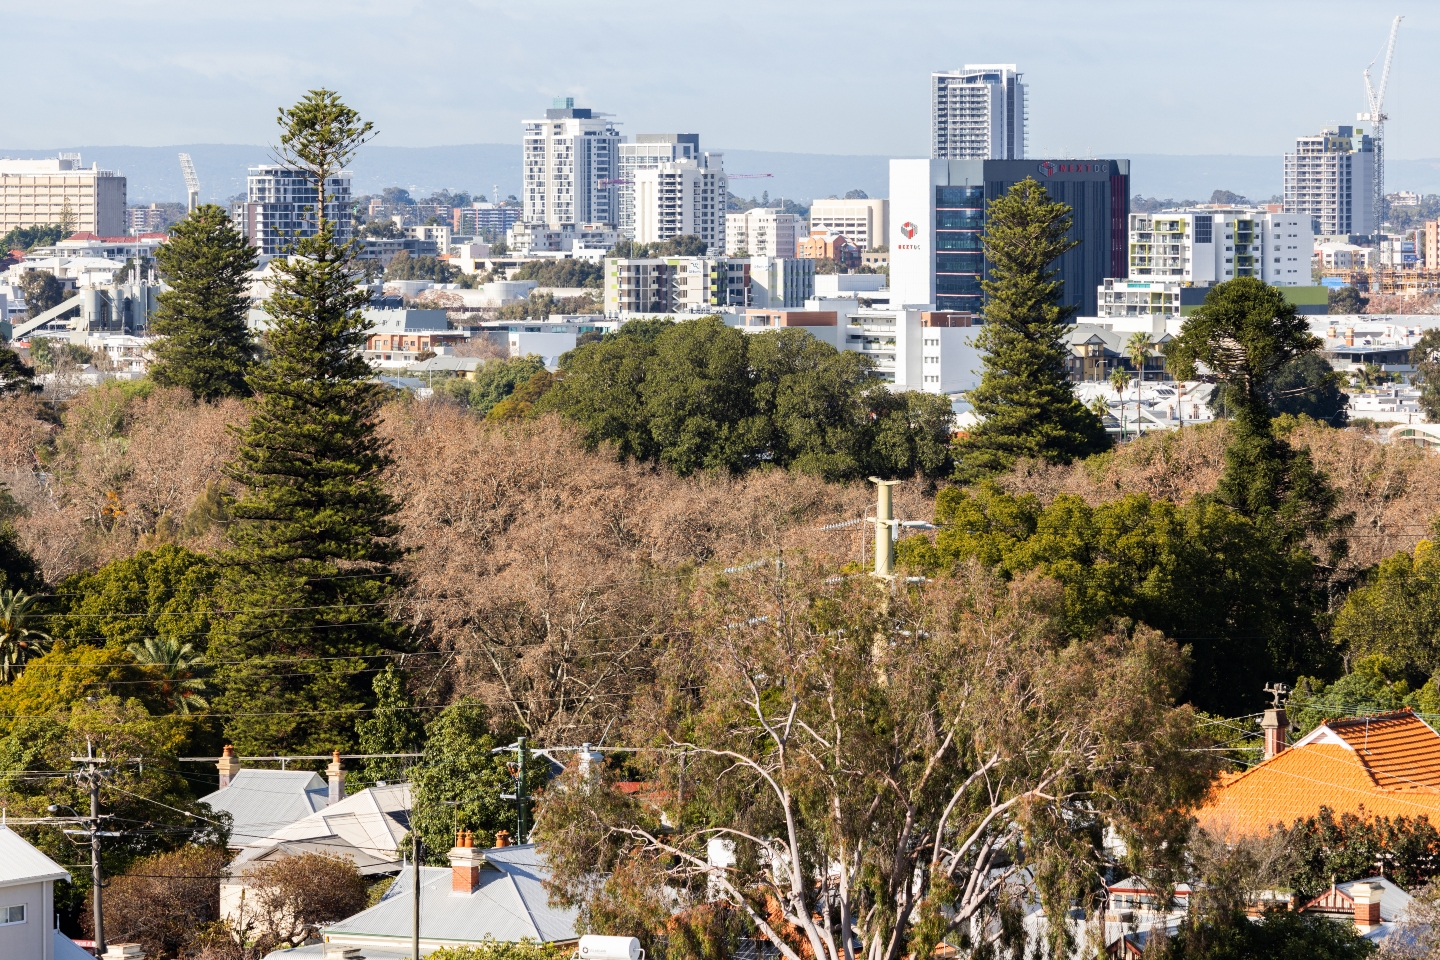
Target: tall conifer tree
204,343
311,568
1025,396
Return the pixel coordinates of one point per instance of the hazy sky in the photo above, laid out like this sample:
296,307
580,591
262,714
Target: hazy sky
1107,77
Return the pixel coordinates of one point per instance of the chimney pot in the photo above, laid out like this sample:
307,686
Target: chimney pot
465,863
228,766
502,839
1367,905
336,773
1275,724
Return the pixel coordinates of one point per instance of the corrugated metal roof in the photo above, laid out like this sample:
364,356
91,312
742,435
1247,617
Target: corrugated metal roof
67,949
367,825
22,863
510,904
260,802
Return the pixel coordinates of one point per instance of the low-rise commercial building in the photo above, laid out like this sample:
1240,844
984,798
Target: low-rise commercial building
38,193
866,222
830,246
677,285
397,338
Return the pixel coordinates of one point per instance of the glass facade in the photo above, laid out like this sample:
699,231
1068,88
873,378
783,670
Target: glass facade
959,220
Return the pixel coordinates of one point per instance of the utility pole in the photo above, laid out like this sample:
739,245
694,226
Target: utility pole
522,800
884,529
91,765
415,894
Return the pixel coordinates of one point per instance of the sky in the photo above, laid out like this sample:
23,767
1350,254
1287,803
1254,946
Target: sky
1107,77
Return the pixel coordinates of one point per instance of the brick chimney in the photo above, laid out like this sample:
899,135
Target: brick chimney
228,766
465,863
336,773
1367,905
1276,725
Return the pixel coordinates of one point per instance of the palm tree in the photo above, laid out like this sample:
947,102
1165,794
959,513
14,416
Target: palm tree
18,643
1137,348
1119,379
173,664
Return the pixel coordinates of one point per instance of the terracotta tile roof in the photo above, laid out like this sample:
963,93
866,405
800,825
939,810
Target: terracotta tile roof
1386,765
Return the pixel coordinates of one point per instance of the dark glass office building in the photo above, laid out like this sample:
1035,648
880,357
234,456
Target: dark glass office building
937,210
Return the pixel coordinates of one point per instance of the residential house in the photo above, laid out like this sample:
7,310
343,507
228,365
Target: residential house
262,801
27,903
1386,765
497,893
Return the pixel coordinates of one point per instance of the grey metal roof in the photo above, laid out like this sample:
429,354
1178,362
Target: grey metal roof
366,826
22,863
1393,900
261,802
510,904
67,949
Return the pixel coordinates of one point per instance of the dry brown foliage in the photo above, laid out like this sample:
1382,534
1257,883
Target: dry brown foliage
162,902
115,474
1392,489
550,573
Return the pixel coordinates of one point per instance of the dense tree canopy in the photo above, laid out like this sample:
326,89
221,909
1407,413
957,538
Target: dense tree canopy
702,396
402,266
1200,572
562,273
493,381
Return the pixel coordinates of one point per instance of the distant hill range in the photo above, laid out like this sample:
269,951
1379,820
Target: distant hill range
153,173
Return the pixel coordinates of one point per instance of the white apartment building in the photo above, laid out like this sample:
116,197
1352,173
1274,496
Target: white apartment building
1212,245
978,113
570,166
866,222
669,285
762,232
279,207
1139,298
37,193
682,198
1329,179
647,152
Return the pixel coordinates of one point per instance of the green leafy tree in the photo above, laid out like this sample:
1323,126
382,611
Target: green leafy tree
602,389
204,341
697,399
18,570
1396,613
1377,684
1282,935
1025,398
312,560
1137,351
1200,572
1346,300
19,641
173,666
42,292
562,273
1425,356
521,403
1350,847
909,434
166,593
16,376
402,266
1119,379
1309,386
28,238
494,380
394,727
1244,334
459,780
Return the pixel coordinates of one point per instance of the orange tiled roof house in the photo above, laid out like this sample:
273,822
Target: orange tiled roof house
1386,765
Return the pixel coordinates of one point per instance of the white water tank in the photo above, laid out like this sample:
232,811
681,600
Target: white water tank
609,948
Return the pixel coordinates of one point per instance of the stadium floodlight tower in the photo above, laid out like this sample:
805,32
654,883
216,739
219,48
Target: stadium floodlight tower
192,183
1376,118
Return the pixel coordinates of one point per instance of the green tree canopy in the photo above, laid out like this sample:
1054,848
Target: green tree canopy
1346,300
495,379
702,396
167,592
402,266
1425,356
42,291
204,344
562,273
459,780
312,559
16,376
1396,613
1200,572
394,727
28,238
1025,398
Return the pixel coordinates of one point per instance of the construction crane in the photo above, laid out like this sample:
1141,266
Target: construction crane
747,176
1376,118
609,183
192,183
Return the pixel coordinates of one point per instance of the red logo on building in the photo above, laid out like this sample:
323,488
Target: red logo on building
1047,168
908,229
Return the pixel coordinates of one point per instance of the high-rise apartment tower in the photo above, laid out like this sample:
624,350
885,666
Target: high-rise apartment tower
570,162
647,152
1330,177
977,113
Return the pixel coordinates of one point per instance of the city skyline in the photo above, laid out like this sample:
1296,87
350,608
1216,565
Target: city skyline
1113,78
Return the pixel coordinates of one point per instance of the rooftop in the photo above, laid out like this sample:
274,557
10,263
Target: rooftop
260,802
22,863
1386,765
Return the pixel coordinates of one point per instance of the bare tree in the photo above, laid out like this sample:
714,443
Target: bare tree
163,902
285,901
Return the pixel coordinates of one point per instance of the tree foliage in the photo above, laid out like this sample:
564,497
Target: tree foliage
1200,572
163,902
494,380
394,727
312,561
1346,300
204,344
701,396
16,376
1025,398
1351,847
685,245
562,273
289,899
902,749
1425,356
1396,613
28,238
402,266
42,292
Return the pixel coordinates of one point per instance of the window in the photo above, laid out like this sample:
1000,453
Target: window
15,914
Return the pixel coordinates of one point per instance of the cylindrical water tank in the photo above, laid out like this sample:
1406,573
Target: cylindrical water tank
609,948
